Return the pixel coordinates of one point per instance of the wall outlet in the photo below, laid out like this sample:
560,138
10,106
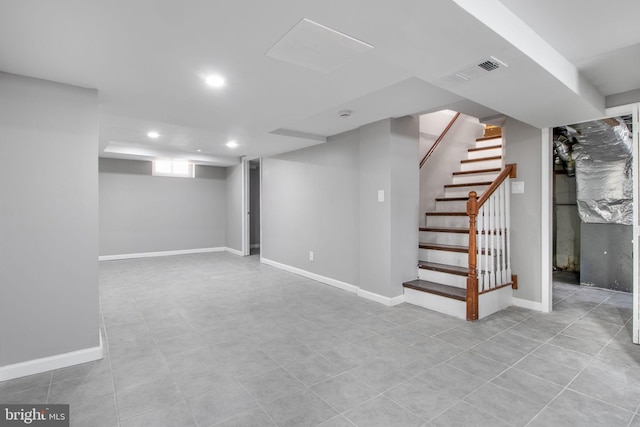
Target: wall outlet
311,256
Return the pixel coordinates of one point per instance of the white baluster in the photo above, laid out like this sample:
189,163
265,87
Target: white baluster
479,227
502,236
507,232
485,222
490,249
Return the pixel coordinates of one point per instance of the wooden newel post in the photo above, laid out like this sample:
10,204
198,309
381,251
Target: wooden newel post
472,276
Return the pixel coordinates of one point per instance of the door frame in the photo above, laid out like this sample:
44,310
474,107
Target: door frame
246,203
547,213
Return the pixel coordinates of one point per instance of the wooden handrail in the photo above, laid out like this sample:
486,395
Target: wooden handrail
435,144
473,206
509,170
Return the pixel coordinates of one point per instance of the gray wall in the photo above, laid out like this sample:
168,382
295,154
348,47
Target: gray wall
375,217
404,203
234,207
325,199
566,224
523,147
144,213
48,219
310,203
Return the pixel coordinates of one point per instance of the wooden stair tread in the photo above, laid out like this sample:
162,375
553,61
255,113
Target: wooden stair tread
478,171
451,199
481,159
444,268
454,248
445,230
487,138
468,184
437,289
446,213
443,247
491,147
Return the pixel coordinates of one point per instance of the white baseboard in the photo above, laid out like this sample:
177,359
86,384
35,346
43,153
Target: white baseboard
381,299
313,276
233,251
162,253
50,363
336,283
525,303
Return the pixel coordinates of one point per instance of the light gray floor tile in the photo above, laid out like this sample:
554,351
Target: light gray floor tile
381,374
299,409
477,365
174,415
338,421
145,397
313,370
197,324
271,385
590,411
255,418
498,352
32,395
451,380
563,356
463,415
25,383
382,412
552,418
514,409
548,369
576,344
344,391
459,338
421,399
527,385
617,385
224,402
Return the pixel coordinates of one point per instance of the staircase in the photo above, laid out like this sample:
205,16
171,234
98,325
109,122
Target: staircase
452,280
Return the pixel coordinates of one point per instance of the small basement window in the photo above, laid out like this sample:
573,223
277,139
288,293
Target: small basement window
174,168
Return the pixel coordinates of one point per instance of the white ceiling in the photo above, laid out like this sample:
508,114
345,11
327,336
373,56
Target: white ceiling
147,59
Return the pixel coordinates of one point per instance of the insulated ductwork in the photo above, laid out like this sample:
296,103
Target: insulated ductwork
603,159
563,151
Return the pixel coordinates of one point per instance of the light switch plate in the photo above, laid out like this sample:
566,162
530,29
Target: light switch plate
517,187
381,195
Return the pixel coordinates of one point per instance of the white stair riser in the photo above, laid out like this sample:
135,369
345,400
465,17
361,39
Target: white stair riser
464,191
443,278
488,142
445,305
457,239
483,164
476,177
494,301
485,153
451,206
448,221
450,258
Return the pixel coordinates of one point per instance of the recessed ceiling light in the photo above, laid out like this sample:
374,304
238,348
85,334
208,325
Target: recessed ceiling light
153,134
232,144
199,150
214,80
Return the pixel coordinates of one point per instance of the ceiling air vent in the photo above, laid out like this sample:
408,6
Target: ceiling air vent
478,70
489,65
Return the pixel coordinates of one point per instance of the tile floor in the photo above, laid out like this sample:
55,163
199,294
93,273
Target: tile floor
220,340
